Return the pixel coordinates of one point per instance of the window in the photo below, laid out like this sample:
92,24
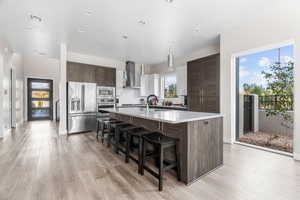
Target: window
170,86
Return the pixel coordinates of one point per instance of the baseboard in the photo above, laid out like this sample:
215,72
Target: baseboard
227,141
264,149
297,156
63,132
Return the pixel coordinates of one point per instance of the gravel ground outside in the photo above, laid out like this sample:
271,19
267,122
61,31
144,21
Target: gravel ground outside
273,141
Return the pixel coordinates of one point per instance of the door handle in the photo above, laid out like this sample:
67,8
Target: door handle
82,98
202,96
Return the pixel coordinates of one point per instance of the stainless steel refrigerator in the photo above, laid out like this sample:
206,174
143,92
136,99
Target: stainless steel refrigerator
82,107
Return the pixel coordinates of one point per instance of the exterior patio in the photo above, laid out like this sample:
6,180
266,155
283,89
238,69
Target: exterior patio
269,140
258,127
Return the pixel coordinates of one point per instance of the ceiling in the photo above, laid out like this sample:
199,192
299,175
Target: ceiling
97,27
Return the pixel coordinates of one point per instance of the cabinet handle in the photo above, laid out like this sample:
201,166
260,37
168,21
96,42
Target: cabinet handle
202,96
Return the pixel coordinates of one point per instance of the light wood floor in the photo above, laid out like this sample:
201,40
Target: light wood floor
37,164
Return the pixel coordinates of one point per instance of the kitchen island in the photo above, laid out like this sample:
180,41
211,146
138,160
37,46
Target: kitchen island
200,135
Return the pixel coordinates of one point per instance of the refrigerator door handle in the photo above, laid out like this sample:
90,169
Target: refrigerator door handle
82,98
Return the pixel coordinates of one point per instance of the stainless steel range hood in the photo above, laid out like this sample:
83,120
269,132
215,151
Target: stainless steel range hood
132,75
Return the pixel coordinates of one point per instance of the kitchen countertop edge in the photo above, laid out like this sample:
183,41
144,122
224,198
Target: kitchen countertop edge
217,115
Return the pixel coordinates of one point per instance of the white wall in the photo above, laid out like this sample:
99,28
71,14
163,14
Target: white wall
44,68
6,108
263,34
8,61
18,87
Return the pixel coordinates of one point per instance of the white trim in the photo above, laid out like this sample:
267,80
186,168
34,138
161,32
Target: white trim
227,141
297,156
264,149
233,79
264,48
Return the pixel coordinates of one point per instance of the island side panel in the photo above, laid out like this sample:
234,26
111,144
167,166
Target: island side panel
205,147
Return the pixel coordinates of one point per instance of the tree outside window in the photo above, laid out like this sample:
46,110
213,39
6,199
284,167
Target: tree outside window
170,86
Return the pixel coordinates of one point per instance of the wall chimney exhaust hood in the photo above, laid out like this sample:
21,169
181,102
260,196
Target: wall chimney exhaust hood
132,75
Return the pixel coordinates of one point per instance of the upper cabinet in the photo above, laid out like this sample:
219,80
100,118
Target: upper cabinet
181,80
150,84
79,72
106,76
203,79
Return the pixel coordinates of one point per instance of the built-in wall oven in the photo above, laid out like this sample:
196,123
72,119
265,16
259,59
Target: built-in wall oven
106,98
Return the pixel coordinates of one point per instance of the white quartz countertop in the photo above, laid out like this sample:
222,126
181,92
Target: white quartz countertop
163,115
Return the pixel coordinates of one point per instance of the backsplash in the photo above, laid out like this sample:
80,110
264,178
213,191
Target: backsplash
129,96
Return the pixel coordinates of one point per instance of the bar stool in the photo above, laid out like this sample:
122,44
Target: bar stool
114,134
137,133
121,136
103,126
161,143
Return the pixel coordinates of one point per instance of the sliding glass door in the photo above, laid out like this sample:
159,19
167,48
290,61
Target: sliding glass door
40,99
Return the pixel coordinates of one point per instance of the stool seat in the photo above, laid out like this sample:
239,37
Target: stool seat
103,126
139,132
119,123
127,128
158,138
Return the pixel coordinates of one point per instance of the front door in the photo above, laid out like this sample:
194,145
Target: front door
40,99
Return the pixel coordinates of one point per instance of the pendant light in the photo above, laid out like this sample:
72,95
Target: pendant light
170,60
142,69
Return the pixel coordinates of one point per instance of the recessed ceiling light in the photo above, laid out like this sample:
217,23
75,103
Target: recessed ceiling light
88,12
35,18
169,1
42,53
197,30
81,30
142,22
28,28
125,37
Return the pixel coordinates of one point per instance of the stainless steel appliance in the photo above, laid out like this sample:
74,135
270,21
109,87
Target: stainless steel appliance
106,98
132,75
82,107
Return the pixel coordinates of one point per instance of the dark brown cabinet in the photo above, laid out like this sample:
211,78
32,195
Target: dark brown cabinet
80,72
106,76
203,79
103,76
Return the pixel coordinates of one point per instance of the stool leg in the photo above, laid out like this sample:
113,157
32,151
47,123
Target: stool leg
140,155
161,168
177,157
98,128
128,141
117,138
109,137
102,133
143,157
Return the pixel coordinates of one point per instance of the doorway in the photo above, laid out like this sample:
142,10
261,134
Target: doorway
40,99
265,98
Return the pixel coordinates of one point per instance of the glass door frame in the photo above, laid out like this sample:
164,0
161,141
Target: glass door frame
30,99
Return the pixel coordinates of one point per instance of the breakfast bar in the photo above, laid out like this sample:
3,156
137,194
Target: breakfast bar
200,135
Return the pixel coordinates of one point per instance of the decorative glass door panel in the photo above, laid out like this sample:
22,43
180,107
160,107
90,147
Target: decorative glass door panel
40,99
